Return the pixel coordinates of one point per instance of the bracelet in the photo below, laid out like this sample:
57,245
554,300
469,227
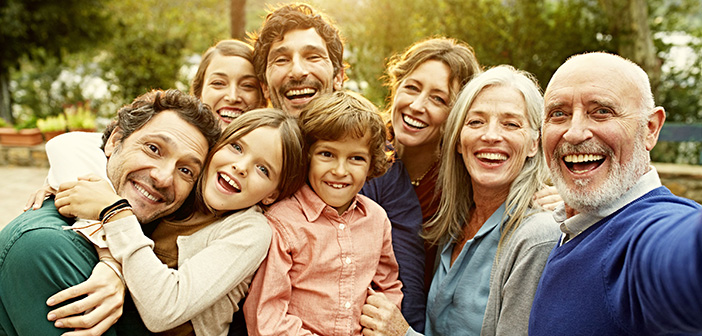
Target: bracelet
113,212
110,263
122,203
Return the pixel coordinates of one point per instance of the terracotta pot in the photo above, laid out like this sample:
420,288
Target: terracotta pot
48,135
24,137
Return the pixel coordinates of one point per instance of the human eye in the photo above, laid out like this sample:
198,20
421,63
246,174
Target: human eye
411,87
249,85
326,154
187,171
264,170
152,148
280,60
602,113
236,146
475,122
439,100
510,124
556,116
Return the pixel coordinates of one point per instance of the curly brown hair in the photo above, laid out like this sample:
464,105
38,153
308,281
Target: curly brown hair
342,114
289,17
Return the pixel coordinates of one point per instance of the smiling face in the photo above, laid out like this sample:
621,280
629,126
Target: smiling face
338,170
298,70
156,166
495,140
245,172
230,87
420,106
596,138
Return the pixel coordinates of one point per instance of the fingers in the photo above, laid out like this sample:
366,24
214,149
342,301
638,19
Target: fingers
98,319
35,200
89,177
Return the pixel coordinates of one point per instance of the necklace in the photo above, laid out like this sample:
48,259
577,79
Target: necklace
416,181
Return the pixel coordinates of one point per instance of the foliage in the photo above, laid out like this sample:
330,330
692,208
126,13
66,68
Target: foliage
44,30
52,123
79,117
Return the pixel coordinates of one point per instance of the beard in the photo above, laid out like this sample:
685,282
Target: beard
587,198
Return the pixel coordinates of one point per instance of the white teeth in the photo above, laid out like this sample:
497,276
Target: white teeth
578,158
299,92
229,113
230,181
145,193
337,185
491,156
413,122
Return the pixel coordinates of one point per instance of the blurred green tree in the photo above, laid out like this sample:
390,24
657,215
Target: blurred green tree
41,30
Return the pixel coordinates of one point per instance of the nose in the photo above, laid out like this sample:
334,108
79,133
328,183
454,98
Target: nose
298,68
419,103
578,128
163,174
232,94
340,168
492,132
241,167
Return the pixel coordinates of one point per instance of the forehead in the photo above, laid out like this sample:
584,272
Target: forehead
221,64
298,39
499,99
431,72
592,80
175,133
347,142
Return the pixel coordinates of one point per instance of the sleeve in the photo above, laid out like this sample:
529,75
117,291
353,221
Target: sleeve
75,154
395,194
266,307
167,298
665,272
385,278
519,284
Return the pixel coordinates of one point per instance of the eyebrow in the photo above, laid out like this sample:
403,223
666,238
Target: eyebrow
169,141
307,48
414,81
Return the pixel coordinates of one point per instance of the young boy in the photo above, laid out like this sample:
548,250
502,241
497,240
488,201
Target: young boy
329,243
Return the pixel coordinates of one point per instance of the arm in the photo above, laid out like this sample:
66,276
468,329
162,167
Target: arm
385,278
266,307
70,155
167,298
665,275
518,271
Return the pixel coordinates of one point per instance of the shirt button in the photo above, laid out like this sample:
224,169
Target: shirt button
347,305
341,226
348,260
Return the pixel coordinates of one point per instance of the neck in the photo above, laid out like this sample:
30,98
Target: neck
418,160
489,201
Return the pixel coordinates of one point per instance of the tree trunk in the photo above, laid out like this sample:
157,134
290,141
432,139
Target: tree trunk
5,99
237,19
628,22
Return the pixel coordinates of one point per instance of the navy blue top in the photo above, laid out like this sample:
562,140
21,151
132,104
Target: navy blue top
637,271
395,193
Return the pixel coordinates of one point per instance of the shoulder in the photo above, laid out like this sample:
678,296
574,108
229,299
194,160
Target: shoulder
537,228
251,222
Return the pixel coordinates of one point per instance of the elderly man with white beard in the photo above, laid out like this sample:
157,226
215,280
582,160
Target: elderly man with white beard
629,261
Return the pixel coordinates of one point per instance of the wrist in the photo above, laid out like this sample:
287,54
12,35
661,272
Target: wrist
114,266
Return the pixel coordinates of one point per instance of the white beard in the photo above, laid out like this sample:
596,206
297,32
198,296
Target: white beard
621,177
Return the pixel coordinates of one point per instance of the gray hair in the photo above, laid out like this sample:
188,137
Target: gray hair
454,179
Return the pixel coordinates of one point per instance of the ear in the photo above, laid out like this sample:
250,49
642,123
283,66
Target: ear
113,141
270,198
266,93
339,80
655,123
533,146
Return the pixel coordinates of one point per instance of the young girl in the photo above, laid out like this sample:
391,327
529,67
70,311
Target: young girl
254,164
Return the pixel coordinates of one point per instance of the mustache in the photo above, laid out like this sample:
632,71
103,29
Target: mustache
165,193
295,83
587,147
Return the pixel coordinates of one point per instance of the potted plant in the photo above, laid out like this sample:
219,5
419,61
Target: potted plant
26,134
52,126
80,117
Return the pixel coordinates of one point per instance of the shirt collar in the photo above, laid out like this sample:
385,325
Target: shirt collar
580,222
313,206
